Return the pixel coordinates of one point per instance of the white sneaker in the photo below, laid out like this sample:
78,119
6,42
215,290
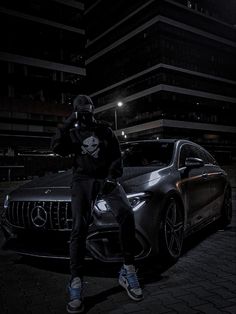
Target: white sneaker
128,279
75,290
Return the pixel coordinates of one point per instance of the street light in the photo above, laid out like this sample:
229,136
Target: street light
119,104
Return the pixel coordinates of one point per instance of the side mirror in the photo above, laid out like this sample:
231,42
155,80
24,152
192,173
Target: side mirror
192,162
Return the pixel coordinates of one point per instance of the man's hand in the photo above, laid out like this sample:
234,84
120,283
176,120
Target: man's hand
68,123
109,186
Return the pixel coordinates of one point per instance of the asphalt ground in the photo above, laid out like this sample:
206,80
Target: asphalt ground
202,281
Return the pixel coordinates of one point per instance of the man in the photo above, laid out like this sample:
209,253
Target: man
96,167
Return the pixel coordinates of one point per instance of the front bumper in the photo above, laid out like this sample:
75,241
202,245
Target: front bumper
102,243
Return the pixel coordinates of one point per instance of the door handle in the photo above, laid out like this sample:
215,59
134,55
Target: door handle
205,176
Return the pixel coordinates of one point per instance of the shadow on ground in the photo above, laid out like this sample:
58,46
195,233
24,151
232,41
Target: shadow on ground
150,270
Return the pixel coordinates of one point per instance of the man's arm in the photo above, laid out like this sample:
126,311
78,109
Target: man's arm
61,142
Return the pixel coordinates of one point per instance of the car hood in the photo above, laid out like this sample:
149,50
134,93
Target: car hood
56,187
63,179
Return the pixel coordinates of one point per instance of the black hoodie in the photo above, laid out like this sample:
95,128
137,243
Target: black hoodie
96,150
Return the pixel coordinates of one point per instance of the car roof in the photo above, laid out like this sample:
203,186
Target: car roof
164,140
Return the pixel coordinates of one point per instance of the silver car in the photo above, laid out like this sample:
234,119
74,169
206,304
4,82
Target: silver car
175,188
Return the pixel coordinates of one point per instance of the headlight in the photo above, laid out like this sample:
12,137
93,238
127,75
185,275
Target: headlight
136,200
6,202
102,206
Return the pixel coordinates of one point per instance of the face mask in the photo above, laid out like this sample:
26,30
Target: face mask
85,118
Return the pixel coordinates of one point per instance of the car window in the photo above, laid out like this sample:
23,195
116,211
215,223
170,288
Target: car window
201,154
189,151
147,154
208,159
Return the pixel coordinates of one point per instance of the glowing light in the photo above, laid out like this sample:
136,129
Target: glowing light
154,178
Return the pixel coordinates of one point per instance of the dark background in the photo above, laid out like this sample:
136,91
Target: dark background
171,63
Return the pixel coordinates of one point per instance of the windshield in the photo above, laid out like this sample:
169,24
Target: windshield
147,154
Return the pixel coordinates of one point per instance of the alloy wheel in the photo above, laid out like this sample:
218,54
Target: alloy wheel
173,229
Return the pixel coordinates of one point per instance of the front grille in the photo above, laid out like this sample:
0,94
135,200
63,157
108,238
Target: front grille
50,215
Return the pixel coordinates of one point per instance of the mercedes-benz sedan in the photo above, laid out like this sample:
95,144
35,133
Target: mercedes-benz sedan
175,188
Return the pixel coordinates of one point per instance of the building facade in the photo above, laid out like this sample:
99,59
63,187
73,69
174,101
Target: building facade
171,64
42,68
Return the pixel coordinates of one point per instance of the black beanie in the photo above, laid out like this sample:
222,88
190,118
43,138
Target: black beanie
82,100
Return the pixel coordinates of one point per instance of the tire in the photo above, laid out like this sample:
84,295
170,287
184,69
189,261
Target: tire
226,212
171,231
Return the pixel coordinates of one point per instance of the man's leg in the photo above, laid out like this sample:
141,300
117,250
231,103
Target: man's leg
122,210
81,203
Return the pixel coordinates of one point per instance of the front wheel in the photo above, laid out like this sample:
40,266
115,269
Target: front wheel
171,231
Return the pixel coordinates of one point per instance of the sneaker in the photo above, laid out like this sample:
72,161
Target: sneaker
129,280
75,290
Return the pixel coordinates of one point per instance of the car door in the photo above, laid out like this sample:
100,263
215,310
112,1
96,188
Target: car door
217,181
194,185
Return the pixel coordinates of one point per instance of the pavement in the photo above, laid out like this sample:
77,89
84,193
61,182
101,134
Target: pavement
202,281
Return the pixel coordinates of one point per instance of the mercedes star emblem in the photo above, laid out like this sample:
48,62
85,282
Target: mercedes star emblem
39,216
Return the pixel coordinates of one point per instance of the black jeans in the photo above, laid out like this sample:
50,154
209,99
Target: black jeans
84,193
